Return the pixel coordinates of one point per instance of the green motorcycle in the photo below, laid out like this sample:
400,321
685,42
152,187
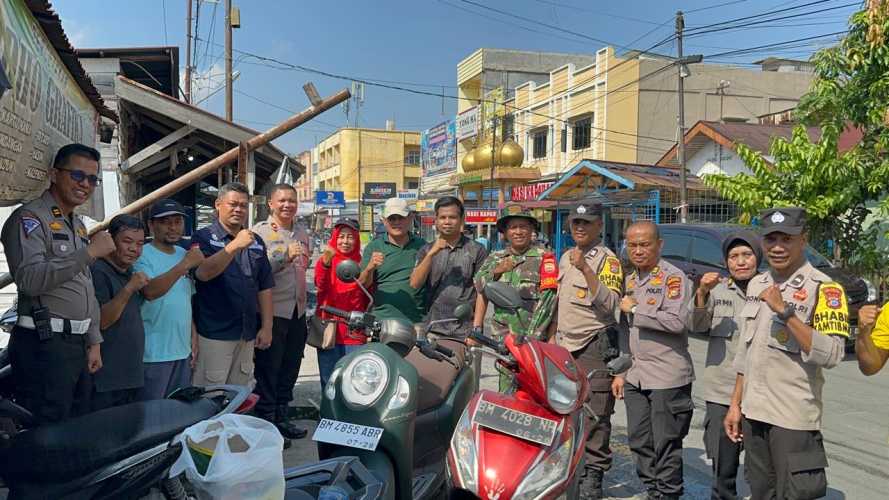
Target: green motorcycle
395,403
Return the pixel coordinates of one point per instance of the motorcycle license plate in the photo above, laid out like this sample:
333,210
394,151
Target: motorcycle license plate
515,423
345,434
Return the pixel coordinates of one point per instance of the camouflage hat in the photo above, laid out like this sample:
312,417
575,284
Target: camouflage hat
516,212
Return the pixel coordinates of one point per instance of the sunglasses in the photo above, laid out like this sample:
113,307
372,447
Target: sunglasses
80,176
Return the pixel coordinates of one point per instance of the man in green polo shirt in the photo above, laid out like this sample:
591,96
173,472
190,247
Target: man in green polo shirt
387,263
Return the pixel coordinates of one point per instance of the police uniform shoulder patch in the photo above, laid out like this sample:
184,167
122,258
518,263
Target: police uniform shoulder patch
831,310
674,287
549,272
611,274
30,224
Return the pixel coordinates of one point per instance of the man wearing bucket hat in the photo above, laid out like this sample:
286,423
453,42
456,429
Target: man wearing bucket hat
718,302
528,267
796,322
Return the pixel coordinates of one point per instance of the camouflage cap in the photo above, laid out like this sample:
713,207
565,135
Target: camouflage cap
516,212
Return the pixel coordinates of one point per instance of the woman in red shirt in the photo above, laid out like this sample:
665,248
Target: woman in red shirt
344,244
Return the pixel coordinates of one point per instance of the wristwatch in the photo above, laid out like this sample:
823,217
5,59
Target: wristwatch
787,313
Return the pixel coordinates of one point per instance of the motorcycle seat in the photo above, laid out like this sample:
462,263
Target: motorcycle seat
435,378
63,451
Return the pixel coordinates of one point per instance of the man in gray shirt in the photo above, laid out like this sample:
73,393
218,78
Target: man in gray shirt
447,267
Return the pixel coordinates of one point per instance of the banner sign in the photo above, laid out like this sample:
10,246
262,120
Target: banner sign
379,191
481,216
330,199
467,123
44,110
529,192
438,146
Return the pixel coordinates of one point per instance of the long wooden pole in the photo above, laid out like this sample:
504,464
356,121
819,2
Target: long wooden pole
211,166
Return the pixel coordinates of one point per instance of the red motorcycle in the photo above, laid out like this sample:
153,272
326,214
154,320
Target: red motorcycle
528,444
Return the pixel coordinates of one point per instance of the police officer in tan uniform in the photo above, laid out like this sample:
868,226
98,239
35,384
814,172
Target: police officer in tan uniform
657,387
590,282
55,344
718,301
277,368
796,322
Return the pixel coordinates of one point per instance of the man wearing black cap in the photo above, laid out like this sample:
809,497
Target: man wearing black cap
795,324
718,301
170,340
590,283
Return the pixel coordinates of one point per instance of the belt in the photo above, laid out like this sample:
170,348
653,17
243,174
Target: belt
59,325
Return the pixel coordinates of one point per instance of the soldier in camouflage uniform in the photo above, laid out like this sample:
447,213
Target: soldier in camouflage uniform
530,268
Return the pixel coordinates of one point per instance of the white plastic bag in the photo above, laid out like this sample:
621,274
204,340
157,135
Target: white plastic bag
245,458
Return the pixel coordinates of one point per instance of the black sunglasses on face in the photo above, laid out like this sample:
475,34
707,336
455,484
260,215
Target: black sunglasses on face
80,176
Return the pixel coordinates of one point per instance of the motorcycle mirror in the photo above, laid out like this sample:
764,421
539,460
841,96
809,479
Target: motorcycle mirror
620,364
347,271
503,295
463,312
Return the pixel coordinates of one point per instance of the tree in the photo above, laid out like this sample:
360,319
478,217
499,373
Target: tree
851,89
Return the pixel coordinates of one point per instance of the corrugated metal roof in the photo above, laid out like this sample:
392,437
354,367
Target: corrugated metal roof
52,27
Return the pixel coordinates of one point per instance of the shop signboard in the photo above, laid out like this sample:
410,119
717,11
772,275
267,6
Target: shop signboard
528,192
379,191
330,199
474,216
467,123
44,110
408,194
438,149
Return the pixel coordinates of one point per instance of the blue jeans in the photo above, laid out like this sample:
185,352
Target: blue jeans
327,359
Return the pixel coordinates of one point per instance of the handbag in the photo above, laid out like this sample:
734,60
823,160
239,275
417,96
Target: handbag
322,333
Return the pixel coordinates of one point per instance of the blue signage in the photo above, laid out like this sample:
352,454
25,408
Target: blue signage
330,199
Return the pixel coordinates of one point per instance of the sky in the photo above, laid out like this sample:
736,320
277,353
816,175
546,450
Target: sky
417,44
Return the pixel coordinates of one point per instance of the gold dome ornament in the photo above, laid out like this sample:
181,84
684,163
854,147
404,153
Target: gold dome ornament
511,154
484,156
469,161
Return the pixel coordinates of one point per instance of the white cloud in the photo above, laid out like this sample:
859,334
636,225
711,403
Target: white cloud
204,83
78,34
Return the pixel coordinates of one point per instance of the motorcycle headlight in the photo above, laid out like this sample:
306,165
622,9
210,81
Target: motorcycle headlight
330,389
871,290
561,391
401,396
548,473
463,450
364,379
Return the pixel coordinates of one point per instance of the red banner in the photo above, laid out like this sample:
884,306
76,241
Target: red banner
481,216
528,192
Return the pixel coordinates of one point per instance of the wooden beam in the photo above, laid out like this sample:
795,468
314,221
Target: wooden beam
136,162
155,158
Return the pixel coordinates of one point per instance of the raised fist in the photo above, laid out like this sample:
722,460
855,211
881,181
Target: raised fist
101,245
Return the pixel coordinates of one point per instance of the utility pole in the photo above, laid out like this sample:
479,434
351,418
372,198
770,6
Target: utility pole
188,53
228,61
683,188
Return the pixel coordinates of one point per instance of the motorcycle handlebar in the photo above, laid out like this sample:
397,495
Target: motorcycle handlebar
480,337
444,350
336,312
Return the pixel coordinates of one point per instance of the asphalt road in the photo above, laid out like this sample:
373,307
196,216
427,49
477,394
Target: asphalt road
855,434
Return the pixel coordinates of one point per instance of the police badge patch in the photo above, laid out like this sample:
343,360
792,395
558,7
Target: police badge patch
29,224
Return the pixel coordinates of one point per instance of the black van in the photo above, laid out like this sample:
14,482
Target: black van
697,250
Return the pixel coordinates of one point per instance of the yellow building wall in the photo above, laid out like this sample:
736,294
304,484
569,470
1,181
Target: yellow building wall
621,113
382,154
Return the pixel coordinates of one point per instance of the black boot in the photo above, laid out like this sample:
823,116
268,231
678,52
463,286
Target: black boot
593,484
285,426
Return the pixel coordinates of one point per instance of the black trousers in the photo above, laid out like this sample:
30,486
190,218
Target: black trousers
657,422
784,463
601,401
724,454
51,377
277,367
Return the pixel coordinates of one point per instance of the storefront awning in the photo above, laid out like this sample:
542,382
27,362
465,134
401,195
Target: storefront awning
590,177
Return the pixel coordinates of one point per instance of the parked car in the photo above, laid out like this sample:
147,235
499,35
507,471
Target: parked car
697,249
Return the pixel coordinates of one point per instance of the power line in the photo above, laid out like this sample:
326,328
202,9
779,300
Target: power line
770,45
754,16
593,11
762,21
